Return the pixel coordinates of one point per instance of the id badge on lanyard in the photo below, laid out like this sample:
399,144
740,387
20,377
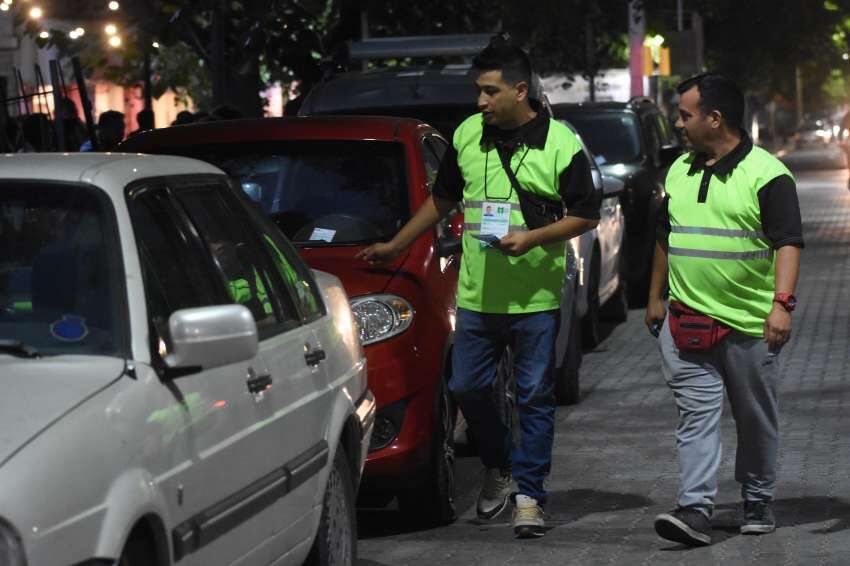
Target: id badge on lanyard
495,220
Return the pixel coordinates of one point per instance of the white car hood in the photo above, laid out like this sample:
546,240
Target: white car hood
36,392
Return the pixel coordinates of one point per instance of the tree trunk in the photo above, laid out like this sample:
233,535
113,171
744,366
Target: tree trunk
234,83
245,86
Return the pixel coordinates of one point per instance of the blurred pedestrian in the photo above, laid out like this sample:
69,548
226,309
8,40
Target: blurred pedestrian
183,117
226,112
145,120
729,243
110,131
509,292
74,129
15,136
38,133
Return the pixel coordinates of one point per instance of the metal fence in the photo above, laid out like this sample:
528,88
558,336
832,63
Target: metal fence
27,117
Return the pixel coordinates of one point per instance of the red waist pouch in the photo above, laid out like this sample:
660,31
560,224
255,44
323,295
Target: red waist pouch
693,331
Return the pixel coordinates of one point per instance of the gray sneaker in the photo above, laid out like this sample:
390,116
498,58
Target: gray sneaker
687,525
528,518
758,518
494,493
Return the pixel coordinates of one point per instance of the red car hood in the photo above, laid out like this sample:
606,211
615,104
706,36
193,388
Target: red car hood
357,276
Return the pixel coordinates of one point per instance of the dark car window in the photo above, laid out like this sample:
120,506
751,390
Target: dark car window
320,191
61,278
613,137
292,270
664,130
652,138
174,276
247,275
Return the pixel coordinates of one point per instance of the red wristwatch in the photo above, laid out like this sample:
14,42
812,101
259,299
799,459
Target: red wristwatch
787,300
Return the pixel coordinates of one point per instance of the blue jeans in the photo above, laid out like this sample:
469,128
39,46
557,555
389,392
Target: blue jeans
480,341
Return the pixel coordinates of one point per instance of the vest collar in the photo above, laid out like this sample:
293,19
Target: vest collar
728,162
533,133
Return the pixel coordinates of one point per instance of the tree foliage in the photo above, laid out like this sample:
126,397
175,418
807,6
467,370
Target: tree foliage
225,50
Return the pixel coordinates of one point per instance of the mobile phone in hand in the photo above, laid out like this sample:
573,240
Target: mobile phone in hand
491,239
655,327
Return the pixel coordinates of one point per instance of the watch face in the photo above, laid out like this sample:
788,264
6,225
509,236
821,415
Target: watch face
792,301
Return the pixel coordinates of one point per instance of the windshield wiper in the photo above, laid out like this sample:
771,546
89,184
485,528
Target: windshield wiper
18,348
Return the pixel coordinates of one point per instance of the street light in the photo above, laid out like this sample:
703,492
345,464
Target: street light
36,13
80,32
114,5
44,35
110,29
115,41
4,7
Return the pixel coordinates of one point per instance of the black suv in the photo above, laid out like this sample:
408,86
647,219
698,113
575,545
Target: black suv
634,142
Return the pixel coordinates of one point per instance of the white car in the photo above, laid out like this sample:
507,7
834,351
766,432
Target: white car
177,386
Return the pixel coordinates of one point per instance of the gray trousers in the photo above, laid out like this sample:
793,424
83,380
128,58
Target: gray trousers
750,374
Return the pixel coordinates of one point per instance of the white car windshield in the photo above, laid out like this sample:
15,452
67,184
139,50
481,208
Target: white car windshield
60,285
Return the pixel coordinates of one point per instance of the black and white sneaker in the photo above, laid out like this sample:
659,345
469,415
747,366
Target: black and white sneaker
758,518
495,493
687,525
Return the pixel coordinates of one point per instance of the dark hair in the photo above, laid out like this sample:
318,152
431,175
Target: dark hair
226,112
145,119
110,129
183,117
717,92
503,55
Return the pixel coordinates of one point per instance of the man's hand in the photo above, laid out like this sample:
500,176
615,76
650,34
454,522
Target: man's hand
378,253
777,327
655,313
516,243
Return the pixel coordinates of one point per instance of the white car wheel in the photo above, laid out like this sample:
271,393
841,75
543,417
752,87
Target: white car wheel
335,543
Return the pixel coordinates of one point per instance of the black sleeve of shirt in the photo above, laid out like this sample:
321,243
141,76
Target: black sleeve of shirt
662,222
449,182
780,212
577,191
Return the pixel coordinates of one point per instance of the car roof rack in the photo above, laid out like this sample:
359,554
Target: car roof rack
464,45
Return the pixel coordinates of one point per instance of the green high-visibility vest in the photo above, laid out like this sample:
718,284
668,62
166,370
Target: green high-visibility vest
242,292
720,261
490,281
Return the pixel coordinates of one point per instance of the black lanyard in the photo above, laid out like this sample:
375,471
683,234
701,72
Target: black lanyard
486,169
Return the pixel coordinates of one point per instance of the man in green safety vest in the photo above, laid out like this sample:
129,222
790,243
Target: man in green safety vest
512,269
728,249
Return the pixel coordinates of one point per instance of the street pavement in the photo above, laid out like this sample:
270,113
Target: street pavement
615,463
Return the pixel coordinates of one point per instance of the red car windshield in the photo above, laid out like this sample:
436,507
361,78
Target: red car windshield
319,192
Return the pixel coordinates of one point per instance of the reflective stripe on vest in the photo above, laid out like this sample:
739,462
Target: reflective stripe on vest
476,227
709,254
728,232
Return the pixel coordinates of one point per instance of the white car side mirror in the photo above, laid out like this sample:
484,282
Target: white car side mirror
209,337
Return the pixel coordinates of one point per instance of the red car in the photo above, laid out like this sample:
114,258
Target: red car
335,185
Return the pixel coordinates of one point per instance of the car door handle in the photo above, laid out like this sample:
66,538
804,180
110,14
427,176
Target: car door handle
259,383
313,357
